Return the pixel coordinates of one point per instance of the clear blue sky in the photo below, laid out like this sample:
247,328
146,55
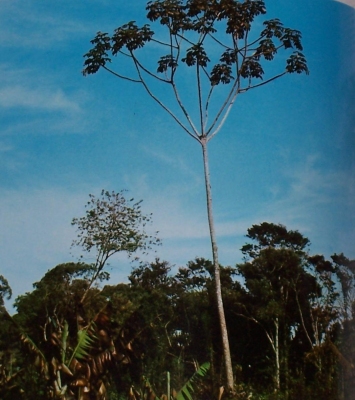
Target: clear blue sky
285,155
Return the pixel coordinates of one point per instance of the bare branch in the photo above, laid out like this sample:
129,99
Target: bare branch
302,319
172,55
183,38
269,336
230,98
207,105
121,76
162,43
206,72
225,116
218,41
248,45
243,90
141,66
199,92
193,135
224,105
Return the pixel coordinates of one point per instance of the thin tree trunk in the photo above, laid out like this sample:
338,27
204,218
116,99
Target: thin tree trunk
277,355
217,279
285,365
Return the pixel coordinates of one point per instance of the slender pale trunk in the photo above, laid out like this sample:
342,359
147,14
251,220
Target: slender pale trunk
277,355
217,278
168,385
285,364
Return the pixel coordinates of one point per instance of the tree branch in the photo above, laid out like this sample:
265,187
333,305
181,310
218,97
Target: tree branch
302,319
261,325
162,43
149,72
243,90
228,102
207,105
195,136
199,92
121,76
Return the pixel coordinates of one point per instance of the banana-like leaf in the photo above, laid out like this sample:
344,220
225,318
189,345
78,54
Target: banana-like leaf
29,342
40,359
86,338
187,390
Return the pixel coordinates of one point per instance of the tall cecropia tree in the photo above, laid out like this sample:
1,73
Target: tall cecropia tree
223,44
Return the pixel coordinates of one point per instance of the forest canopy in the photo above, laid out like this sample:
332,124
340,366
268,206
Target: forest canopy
290,318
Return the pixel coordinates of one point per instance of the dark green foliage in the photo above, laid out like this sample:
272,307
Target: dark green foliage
99,54
69,346
126,337
55,299
292,297
271,235
5,290
345,271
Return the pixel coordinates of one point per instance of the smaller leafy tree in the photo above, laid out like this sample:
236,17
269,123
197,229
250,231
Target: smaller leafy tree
112,224
273,262
345,271
321,298
317,305
292,297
